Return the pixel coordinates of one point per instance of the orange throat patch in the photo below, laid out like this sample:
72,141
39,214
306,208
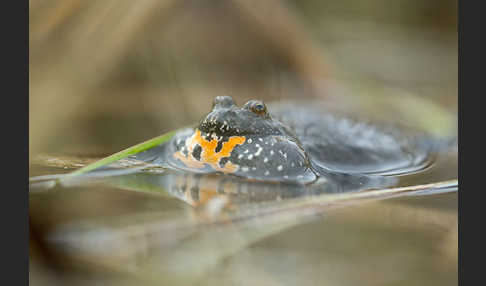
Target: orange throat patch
209,156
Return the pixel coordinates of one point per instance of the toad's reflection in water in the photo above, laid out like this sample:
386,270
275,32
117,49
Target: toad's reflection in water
199,189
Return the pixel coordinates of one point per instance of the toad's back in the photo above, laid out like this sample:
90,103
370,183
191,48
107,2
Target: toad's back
339,143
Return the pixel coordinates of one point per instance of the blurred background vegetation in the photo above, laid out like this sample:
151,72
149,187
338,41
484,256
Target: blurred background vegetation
105,75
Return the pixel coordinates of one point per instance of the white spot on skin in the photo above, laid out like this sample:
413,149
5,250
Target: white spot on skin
249,140
267,173
260,149
246,151
240,156
280,168
250,156
293,165
244,169
254,168
260,139
265,160
271,152
286,177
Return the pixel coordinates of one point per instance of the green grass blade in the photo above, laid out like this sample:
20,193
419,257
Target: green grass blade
123,154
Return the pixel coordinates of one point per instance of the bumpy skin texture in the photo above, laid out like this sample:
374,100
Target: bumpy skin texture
341,144
245,142
293,144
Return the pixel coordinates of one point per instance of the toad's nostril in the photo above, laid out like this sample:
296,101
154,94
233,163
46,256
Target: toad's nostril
223,101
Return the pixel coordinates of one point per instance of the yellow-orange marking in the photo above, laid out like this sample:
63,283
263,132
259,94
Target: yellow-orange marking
207,190
208,152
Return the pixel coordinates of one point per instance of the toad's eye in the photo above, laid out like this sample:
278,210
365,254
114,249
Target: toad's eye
257,107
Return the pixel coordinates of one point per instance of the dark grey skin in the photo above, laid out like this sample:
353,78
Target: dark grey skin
340,144
299,145
271,151
253,119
